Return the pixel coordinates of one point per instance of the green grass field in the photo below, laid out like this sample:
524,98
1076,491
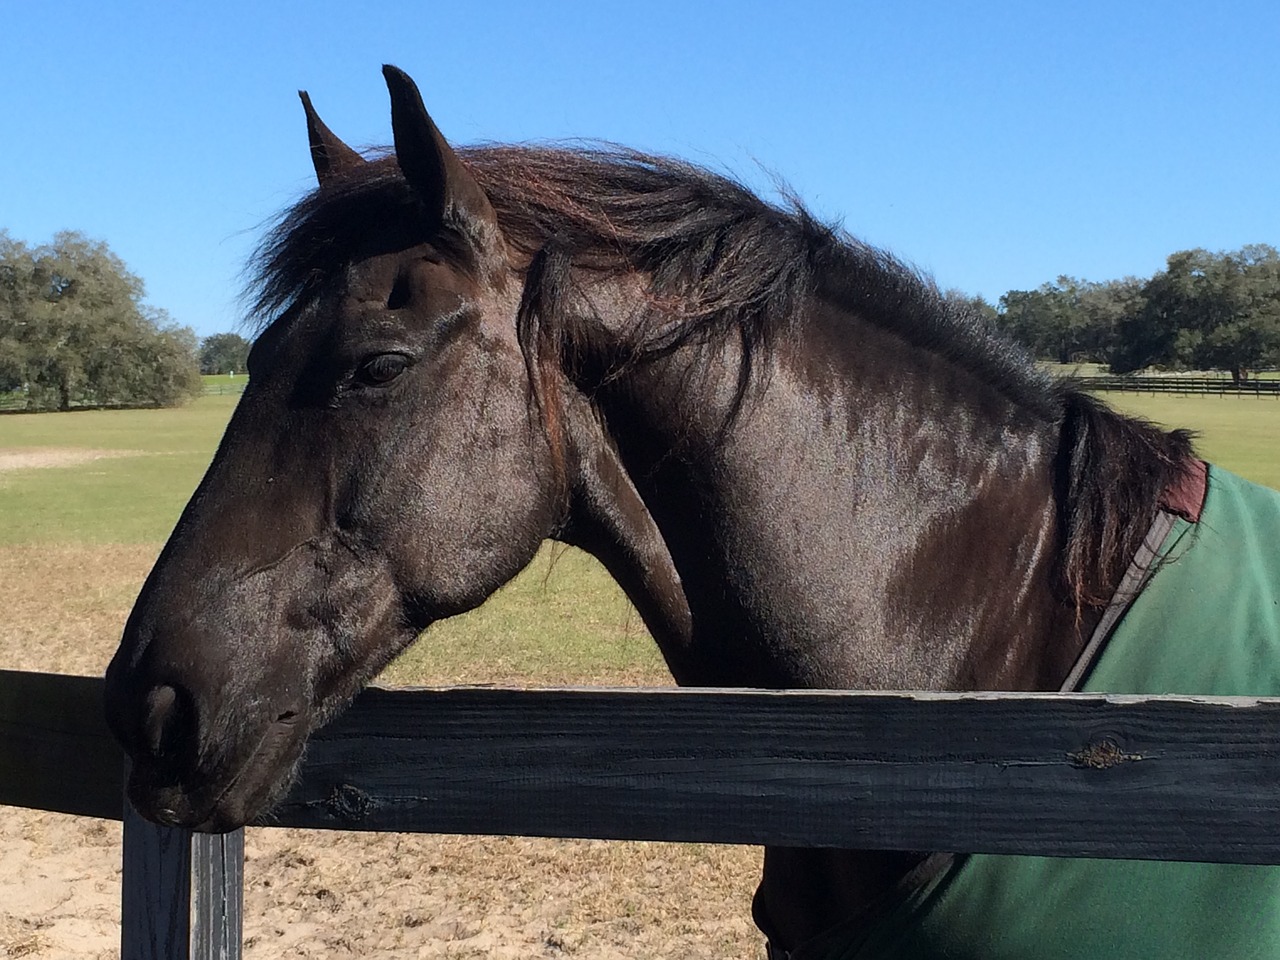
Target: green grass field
563,620
154,460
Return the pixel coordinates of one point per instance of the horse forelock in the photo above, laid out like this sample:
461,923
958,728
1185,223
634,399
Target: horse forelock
363,210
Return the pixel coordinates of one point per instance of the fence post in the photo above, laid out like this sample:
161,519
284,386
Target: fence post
181,893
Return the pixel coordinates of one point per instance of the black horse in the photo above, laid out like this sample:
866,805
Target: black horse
805,466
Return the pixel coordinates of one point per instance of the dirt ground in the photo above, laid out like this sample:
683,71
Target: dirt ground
313,894
335,895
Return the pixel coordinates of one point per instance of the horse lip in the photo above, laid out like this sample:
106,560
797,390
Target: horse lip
211,814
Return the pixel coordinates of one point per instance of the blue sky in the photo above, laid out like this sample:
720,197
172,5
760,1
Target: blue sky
994,145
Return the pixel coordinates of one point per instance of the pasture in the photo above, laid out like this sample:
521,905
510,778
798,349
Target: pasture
86,499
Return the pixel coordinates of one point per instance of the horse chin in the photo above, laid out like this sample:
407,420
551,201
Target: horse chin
225,799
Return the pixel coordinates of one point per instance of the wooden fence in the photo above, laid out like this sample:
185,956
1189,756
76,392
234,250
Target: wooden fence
1059,775
1186,386
222,388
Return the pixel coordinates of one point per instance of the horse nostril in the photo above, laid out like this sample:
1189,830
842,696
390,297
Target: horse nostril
168,721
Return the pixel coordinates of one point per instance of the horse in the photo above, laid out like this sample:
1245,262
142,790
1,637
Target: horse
805,466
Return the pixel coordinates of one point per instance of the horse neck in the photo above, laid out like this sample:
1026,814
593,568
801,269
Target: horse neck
871,516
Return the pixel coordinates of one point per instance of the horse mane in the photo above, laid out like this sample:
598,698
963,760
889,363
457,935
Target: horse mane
1112,472
717,260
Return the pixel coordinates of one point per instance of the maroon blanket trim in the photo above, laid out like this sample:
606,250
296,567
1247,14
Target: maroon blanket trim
1186,497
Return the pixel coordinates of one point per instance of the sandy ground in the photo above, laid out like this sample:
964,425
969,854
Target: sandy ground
338,895
312,894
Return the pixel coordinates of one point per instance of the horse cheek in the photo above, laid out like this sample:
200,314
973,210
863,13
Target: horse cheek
471,515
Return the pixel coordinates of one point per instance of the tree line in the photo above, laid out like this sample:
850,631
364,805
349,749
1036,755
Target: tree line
1204,311
75,331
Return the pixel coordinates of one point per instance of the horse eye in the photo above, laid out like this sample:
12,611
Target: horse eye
382,368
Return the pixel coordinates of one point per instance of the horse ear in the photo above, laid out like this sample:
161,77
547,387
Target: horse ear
425,158
330,155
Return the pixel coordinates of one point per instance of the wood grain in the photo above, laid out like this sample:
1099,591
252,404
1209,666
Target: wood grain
1076,775
181,893
1080,775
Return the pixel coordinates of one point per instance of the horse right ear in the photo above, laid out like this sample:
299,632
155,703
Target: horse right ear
330,156
425,158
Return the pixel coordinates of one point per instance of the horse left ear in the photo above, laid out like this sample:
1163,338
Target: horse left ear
425,158
329,155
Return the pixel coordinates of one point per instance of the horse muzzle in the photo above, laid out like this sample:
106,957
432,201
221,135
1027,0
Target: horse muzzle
224,797
209,774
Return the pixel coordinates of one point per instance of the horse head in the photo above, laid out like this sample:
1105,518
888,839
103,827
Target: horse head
384,470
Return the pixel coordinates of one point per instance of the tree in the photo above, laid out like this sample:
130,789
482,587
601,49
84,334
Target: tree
1031,317
1207,311
224,353
974,305
16,271
1104,307
74,330
1068,320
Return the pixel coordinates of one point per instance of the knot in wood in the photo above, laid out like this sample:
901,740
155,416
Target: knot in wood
349,803
1102,755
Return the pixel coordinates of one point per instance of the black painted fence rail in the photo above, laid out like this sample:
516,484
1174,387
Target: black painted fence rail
1191,778
1173,778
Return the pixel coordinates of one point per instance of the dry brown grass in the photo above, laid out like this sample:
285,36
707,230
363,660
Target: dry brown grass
62,607
333,895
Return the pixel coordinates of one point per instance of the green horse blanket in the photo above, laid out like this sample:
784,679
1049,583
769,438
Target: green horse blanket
1208,623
